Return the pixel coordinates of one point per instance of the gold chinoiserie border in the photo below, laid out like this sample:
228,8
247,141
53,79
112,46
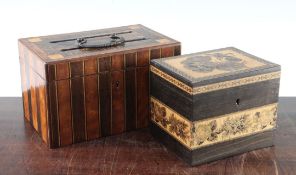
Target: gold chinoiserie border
214,86
201,133
171,79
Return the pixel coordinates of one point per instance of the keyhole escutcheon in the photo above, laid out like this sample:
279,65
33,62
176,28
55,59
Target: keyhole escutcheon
237,102
117,84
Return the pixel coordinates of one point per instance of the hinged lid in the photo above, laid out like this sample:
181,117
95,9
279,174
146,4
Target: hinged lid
55,48
221,68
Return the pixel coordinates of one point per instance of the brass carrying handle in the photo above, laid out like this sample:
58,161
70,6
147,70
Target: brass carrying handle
114,41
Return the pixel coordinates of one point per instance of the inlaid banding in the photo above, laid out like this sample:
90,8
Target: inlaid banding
201,133
214,86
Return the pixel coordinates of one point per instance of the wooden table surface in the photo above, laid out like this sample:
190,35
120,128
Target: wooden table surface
22,152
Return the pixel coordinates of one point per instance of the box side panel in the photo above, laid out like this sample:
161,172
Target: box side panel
25,91
171,96
38,98
34,61
42,107
171,143
34,91
33,97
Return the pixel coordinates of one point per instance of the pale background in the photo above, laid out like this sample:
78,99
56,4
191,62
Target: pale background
265,28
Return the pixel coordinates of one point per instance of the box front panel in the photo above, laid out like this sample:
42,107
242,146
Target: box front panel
213,130
117,93
142,85
105,102
92,107
100,96
130,99
53,114
64,112
199,141
78,109
216,151
235,99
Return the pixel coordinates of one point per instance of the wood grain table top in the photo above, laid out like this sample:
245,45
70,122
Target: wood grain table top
22,151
